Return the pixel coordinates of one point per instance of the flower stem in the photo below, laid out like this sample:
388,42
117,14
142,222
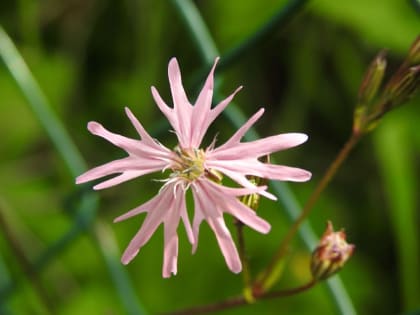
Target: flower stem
246,274
262,283
240,300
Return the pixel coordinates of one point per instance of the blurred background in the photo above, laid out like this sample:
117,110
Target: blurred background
60,251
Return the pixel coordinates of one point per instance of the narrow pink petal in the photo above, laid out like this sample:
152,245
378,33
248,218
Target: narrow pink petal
170,255
120,166
132,146
236,208
200,129
150,205
246,216
153,219
182,106
239,177
230,191
171,223
174,74
235,139
126,176
204,99
261,147
117,140
226,243
222,105
264,170
116,166
141,131
165,109
187,224
202,109
284,173
200,200
149,226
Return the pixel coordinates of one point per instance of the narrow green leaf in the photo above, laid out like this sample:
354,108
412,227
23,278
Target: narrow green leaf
398,169
76,165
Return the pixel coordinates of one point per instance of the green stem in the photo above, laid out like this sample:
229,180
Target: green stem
104,236
61,141
55,130
4,280
198,30
329,174
240,300
23,261
246,273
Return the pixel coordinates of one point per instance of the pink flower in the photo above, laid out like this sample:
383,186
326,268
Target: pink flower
195,168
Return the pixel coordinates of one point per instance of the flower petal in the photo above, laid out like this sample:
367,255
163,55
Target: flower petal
150,205
164,203
261,147
200,200
182,106
140,129
175,81
165,109
237,168
132,146
226,243
120,166
240,178
170,256
187,224
236,208
231,191
204,99
202,109
201,127
241,131
126,176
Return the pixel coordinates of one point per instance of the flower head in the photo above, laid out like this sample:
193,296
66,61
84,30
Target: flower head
193,167
331,254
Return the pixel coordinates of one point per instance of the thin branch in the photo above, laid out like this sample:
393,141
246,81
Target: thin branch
246,273
329,174
240,301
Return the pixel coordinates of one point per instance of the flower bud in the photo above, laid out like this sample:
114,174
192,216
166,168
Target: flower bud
373,79
404,85
331,254
253,200
413,57
368,91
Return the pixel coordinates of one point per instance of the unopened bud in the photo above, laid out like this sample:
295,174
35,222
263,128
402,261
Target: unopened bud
404,85
373,79
331,254
413,57
253,200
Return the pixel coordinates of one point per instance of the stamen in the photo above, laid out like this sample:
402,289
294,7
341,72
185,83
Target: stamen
188,164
